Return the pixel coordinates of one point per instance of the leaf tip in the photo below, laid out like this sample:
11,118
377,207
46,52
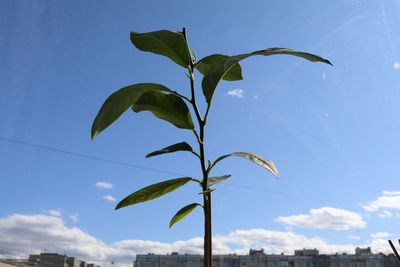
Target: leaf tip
94,134
119,205
94,131
275,172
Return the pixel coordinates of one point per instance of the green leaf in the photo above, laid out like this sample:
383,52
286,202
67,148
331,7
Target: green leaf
219,69
183,146
265,163
217,179
153,191
120,101
165,43
205,66
167,107
182,213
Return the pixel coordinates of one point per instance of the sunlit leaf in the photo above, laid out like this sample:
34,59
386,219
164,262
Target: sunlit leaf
218,70
183,146
166,43
153,191
167,107
120,101
182,213
204,66
265,163
217,179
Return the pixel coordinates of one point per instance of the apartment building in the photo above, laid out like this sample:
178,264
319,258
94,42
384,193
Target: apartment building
363,257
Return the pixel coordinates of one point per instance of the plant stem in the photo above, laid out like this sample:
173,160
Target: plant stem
206,203
207,231
204,169
206,196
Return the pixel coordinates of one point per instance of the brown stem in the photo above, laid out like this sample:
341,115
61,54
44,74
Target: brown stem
207,231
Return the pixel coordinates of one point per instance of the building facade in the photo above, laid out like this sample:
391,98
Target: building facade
363,257
48,260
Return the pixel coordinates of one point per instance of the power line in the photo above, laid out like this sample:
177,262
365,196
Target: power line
150,169
85,156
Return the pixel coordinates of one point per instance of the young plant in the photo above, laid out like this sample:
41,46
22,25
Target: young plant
172,106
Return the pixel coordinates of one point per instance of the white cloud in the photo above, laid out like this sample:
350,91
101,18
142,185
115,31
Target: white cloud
54,212
104,185
28,234
379,244
236,93
326,218
109,198
380,235
396,65
385,214
74,217
277,242
389,200
390,193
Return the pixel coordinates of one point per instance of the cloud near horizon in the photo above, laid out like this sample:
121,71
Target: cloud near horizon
74,217
388,200
29,234
54,212
380,235
325,218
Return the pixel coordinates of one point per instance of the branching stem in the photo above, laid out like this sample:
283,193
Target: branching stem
204,169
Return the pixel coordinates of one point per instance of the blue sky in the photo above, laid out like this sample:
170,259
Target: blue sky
331,131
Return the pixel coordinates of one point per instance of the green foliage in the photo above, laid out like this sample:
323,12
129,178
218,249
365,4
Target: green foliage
221,67
205,66
170,106
265,163
166,43
167,107
153,191
183,146
119,102
217,179
182,213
